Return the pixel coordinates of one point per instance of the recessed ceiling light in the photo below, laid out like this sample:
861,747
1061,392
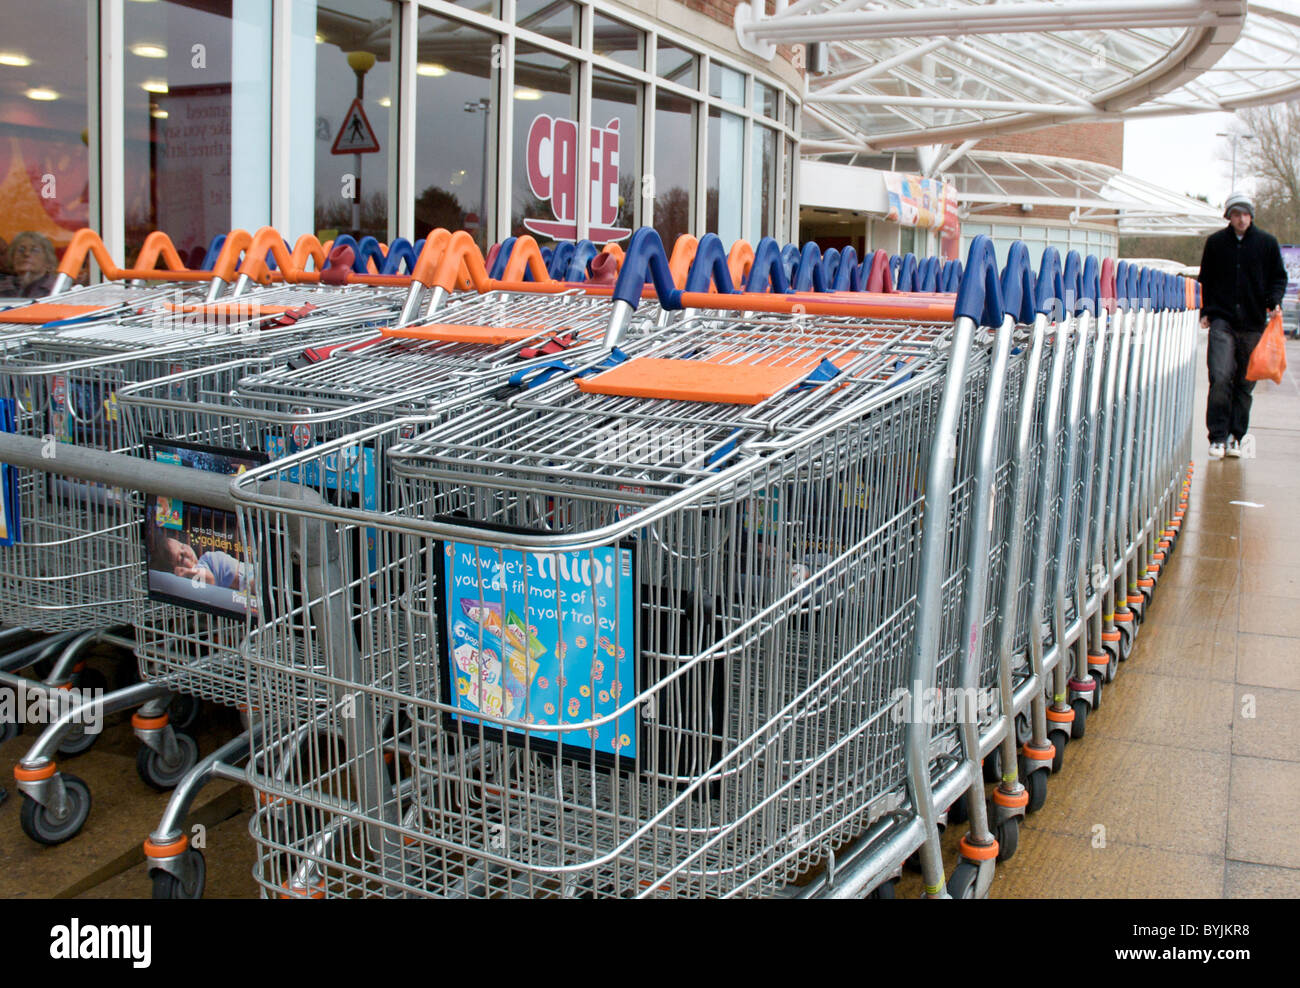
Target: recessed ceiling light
525,93
320,38
386,101
149,51
154,85
42,94
431,69
158,114
14,58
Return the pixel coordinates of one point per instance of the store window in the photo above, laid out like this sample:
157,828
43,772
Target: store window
556,19
674,176
724,207
677,65
186,80
44,159
762,186
616,40
727,84
545,145
766,100
356,52
615,157
456,87
790,211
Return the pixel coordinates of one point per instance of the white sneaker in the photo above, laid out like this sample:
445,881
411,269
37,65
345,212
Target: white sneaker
1234,448
1216,451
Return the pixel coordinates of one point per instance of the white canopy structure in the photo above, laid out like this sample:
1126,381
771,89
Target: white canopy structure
990,180
915,73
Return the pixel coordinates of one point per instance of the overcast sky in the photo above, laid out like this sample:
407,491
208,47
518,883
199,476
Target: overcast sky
1182,154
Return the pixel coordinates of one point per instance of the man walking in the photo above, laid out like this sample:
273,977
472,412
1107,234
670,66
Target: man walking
1242,279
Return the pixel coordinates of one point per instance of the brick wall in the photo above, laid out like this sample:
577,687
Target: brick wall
724,12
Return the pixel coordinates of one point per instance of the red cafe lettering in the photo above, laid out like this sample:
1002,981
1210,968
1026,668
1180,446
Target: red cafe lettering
553,178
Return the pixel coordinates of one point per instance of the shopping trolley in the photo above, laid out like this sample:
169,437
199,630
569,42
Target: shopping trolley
760,686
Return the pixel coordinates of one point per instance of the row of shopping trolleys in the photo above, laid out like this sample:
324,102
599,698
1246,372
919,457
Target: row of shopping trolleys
550,588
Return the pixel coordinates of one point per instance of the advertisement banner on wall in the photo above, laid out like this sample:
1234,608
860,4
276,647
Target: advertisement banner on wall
918,201
553,178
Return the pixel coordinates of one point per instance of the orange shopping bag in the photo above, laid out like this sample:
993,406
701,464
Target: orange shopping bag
1268,359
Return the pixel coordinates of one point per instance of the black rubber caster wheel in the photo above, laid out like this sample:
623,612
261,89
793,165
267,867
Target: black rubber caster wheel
1036,783
182,711
1112,663
42,826
993,766
168,886
1008,834
958,812
1058,739
961,884
159,774
1023,730
77,741
1080,726
885,890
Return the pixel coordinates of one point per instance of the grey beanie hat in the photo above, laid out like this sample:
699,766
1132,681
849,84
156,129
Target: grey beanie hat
1238,200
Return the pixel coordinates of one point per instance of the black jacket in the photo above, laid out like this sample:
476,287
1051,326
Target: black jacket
1241,280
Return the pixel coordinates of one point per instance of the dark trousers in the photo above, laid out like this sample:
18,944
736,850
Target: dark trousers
1227,412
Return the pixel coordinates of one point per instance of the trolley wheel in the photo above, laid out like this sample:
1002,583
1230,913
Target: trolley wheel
1008,834
1036,783
89,680
9,731
1125,644
1098,680
1080,725
1023,730
959,812
961,884
993,766
168,886
157,773
182,711
42,826
77,741
1112,662
1058,739
885,890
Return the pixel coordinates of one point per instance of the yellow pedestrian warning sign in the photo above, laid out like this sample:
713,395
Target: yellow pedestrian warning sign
356,135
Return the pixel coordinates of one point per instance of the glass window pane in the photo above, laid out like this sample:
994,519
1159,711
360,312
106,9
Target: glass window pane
354,51
179,102
545,173
766,100
455,91
492,8
615,157
763,165
674,177
43,132
677,65
726,84
616,40
791,209
723,207
557,19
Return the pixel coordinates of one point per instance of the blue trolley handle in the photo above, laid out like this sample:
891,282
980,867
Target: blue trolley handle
980,296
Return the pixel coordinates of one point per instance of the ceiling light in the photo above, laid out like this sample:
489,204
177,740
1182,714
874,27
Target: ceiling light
149,51
525,93
14,58
158,114
154,85
386,101
431,69
320,38
42,94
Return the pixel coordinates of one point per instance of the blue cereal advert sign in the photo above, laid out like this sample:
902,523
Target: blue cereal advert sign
542,639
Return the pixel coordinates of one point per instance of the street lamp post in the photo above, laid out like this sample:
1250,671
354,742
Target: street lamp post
1234,138
360,62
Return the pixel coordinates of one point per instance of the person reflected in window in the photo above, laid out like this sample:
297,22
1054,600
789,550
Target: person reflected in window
32,267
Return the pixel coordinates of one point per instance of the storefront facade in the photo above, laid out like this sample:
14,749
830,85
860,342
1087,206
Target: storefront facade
389,117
